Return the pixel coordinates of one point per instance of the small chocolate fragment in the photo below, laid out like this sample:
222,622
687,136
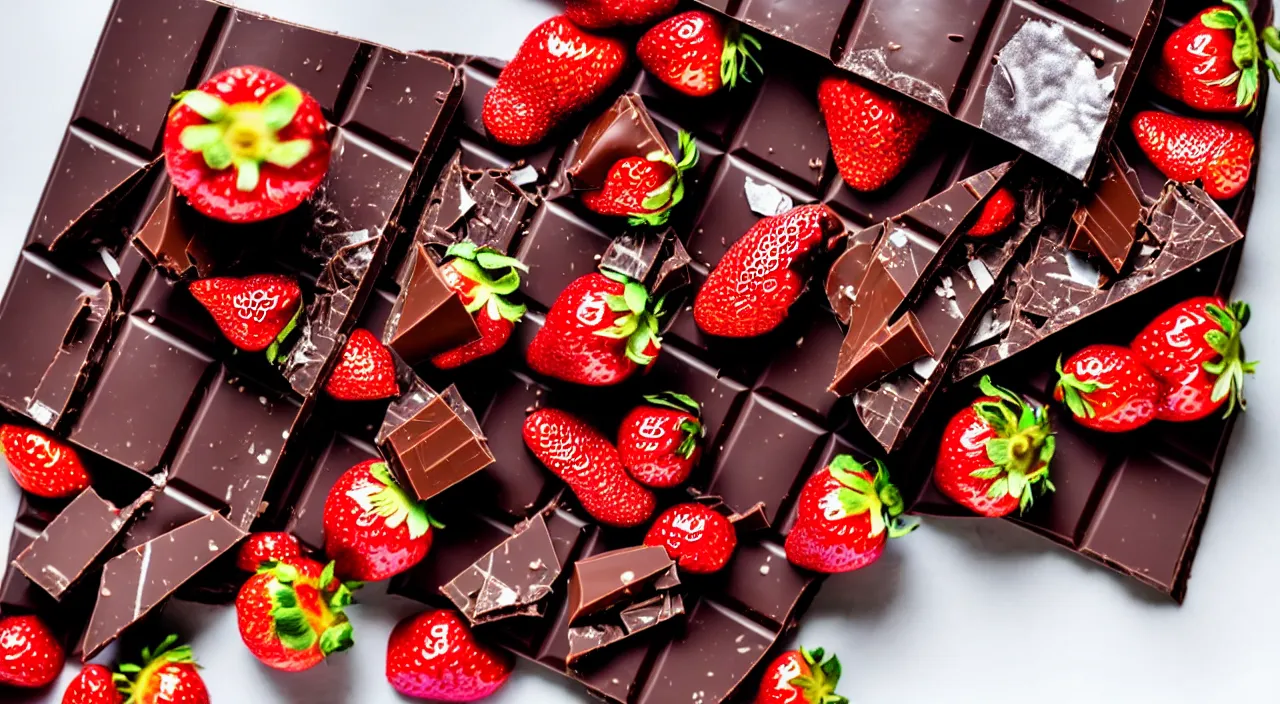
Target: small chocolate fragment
77,359
639,617
485,207
624,130
104,222
849,268
1106,222
513,579
428,317
753,520
606,580
655,258
432,440
138,580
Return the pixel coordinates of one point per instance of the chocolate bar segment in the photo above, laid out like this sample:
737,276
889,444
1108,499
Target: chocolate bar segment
513,579
1106,223
586,640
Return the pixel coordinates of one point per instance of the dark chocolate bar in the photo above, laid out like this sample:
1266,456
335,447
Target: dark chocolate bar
1048,78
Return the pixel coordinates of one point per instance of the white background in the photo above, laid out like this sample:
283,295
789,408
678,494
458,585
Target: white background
958,612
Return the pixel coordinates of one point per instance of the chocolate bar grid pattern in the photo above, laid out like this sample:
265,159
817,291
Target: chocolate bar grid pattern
222,426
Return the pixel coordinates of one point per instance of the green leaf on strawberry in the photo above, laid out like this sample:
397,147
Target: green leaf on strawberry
819,686
737,59
1022,449
1074,390
662,199
478,265
1230,367
1246,53
397,507
877,497
244,135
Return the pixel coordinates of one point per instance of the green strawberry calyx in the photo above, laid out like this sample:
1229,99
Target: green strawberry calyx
638,322
819,686
297,630
1074,391
1022,449
737,61
692,428
273,350
244,135
659,202
131,679
393,504
1246,53
1230,367
493,275
876,496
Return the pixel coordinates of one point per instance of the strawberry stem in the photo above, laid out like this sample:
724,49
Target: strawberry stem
1246,54
244,135
1023,446
396,507
477,264
638,324
129,677
877,496
1073,391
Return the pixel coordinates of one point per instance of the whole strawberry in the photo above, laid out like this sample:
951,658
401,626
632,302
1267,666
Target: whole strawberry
751,290
167,675
41,465
366,371
1195,349
644,189
695,536
94,685
1214,62
995,454
1107,388
600,14
255,313
660,442
558,69
586,461
1216,152
372,528
873,134
600,330
291,614
844,516
694,53
483,278
801,676
435,656
246,145
997,214
267,547
30,655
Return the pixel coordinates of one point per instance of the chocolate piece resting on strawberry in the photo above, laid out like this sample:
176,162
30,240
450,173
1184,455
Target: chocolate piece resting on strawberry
1107,388
483,278
694,53
1215,63
751,290
660,441
995,454
1218,153
246,145
255,313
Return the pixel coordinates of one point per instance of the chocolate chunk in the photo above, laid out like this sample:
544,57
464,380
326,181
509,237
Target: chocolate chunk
77,359
624,130
655,258
429,317
604,581
513,579
631,620
138,580
1106,223
105,223
486,207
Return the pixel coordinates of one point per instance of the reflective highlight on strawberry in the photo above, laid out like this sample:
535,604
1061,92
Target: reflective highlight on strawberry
435,656
1215,62
698,538
694,53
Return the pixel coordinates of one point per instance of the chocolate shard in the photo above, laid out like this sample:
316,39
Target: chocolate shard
849,268
85,343
1057,288
73,541
655,258
428,316
631,620
624,130
1106,223
513,579
604,581
104,221
486,207
431,440
138,580
753,520
181,243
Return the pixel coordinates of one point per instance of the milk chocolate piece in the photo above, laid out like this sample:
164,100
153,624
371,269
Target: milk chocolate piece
624,130
1106,223
168,243
428,317
604,581
631,620
513,579
138,580
849,268
432,440
77,359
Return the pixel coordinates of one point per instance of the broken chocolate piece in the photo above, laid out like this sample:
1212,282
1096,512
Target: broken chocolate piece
103,223
849,268
656,259
485,207
138,580
78,357
513,579
624,130
428,317
753,520
606,580
631,620
1106,222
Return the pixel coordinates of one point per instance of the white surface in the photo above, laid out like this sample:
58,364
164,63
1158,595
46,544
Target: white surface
958,612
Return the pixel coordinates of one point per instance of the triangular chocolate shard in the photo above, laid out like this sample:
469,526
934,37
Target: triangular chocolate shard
77,359
428,317
604,581
168,243
624,130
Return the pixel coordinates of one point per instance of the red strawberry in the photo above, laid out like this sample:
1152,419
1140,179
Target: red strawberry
435,656
844,516
30,656
645,189
600,330
94,685
801,677
1216,152
586,461
1107,388
599,14
998,213
695,536
291,614
41,465
753,287
267,547
994,453
255,313
366,372
558,69
873,133
470,272
1212,62
693,53
1195,349
372,528
246,145
167,675
659,443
